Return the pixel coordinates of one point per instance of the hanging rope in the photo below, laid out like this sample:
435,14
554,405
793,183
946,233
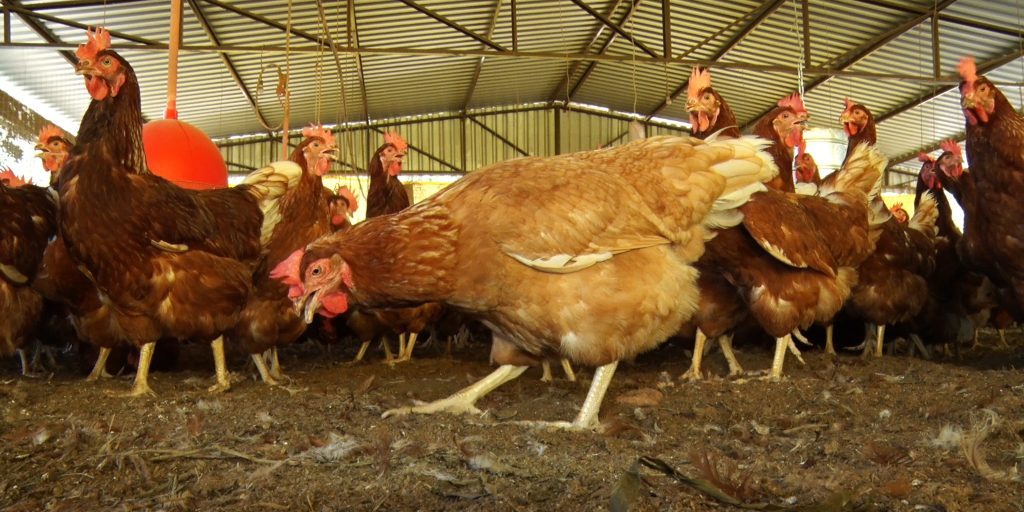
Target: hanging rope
283,83
632,53
797,27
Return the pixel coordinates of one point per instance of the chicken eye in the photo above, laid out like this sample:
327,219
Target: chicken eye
107,61
316,271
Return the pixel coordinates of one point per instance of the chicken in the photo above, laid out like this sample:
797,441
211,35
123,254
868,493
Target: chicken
898,213
268,321
859,125
791,263
893,281
386,194
173,263
709,112
598,268
343,204
784,127
29,220
995,148
53,147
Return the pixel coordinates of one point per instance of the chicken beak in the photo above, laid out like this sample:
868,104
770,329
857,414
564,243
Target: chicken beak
967,101
330,154
307,306
41,151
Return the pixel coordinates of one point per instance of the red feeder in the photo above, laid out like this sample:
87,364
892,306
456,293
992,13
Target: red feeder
176,150
183,154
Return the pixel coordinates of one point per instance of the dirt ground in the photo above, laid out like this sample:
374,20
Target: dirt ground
876,434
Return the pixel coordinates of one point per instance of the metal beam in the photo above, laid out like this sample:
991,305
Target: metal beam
936,56
983,68
966,22
480,63
604,48
80,3
618,30
499,136
515,27
266,21
74,24
205,23
353,33
451,24
564,81
39,28
729,45
857,55
424,153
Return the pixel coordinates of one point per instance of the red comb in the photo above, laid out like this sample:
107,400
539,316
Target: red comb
968,69
849,104
349,197
951,146
794,102
287,271
49,131
896,207
396,140
700,79
316,130
99,40
925,157
11,179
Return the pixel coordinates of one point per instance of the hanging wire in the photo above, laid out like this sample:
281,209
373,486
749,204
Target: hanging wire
797,28
565,48
1020,53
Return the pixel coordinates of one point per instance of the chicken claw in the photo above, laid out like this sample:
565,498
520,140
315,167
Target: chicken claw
141,386
586,419
221,367
464,400
99,370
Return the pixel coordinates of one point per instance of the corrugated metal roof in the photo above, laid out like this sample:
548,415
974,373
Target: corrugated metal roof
399,82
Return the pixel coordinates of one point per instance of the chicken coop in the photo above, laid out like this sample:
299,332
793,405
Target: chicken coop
865,160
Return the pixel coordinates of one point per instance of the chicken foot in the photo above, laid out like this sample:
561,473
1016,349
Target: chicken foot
99,370
464,400
693,373
570,375
405,349
26,366
141,386
275,366
220,367
781,345
265,374
725,341
830,347
362,351
587,418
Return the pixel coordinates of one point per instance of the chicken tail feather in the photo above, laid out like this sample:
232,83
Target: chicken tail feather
268,185
926,215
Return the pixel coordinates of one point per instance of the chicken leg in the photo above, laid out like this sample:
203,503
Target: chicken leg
275,367
265,373
698,355
567,368
99,370
404,349
830,347
587,418
220,366
879,339
141,386
570,375
781,345
725,341
362,351
464,400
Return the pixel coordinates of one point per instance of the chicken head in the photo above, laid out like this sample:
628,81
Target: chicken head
393,154
977,94
702,102
789,122
806,168
318,149
854,117
899,213
52,147
928,172
315,285
951,161
103,70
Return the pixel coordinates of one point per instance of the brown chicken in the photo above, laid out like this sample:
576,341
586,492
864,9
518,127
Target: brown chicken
268,320
386,194
859,125
791,262
173,263
995,148
598,268
53,147
892,286
29,221
784,127
709,112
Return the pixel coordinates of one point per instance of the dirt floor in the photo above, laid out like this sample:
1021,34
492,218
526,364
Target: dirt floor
876,434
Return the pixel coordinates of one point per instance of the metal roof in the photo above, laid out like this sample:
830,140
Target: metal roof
405,57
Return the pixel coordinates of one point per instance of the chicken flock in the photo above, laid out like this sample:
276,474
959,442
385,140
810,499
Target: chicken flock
589,258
